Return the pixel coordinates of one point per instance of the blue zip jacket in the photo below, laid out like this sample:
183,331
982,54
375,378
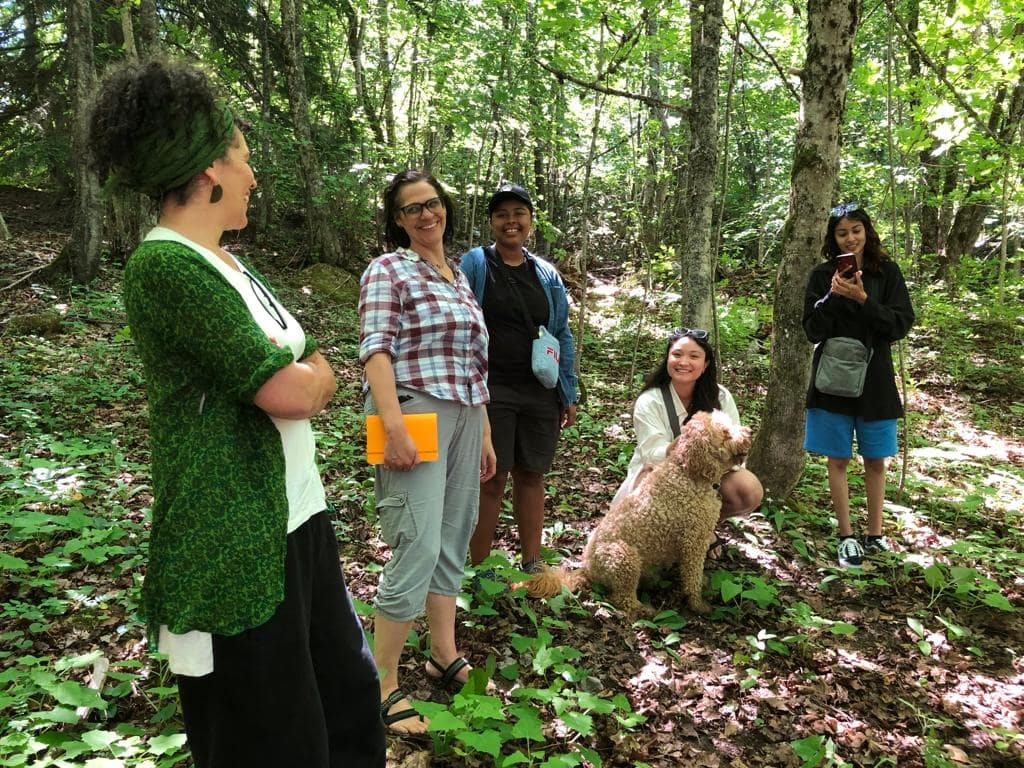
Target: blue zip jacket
474,265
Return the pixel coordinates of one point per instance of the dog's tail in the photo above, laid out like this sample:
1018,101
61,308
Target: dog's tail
550,581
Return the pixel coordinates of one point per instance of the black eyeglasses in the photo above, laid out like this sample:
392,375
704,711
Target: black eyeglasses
267,301
695,333
841,210
433,205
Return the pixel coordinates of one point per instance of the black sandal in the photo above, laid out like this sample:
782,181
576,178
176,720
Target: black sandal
405,714
446,675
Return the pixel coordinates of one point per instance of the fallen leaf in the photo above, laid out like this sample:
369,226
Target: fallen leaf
955,753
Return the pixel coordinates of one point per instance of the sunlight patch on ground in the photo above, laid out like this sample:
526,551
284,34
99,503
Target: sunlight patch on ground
758,545
919,536
655,671
854,660
987,702
606,315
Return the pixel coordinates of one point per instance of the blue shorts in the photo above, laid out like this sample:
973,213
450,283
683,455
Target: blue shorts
831,434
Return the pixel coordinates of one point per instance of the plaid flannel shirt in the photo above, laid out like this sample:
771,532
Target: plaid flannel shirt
433,330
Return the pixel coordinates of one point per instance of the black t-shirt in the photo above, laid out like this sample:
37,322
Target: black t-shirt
508,360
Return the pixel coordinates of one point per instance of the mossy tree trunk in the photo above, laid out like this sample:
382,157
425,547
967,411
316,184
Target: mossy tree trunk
81,255
656,147
697,263
777,456
323,243
129,214
265,192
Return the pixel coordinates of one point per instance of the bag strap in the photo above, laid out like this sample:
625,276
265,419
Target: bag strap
670,406
493,256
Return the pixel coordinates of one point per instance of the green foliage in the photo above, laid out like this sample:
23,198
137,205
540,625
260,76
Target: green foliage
488,90
817,751
965,585
73,485
738,589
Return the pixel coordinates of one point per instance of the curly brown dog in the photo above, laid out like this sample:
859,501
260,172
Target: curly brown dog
669,518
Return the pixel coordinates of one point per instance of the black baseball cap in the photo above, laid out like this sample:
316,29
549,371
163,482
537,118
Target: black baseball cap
506,191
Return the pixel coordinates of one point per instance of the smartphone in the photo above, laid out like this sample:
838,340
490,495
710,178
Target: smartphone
846,265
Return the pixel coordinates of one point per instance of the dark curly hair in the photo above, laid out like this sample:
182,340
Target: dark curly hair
394,235
705,389
874,254
140,102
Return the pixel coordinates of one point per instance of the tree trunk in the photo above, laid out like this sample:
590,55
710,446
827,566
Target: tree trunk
323,244
81,255
654,189
697,264
543,145
581,262
128,32
149,28
354,40
1004,122
384,65
129,214
777,456
939,171
265,192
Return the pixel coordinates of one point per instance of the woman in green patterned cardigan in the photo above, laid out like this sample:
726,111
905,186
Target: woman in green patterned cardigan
243,590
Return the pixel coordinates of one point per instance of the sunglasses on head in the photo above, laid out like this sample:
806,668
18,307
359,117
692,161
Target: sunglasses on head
841,210
695,333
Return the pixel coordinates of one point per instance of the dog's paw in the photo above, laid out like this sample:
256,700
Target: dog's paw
633,609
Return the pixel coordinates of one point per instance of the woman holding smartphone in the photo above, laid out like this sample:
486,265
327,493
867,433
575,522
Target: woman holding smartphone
864,298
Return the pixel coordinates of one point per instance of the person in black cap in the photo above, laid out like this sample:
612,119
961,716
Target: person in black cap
526,417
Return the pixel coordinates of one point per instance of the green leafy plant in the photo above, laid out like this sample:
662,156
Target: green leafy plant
737,589
964,585
817,751
514,734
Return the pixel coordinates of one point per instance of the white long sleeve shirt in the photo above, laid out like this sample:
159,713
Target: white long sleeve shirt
654,432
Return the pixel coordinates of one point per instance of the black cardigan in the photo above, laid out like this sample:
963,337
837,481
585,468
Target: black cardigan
885,317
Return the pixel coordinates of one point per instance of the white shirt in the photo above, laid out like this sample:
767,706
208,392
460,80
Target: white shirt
654,433
192,653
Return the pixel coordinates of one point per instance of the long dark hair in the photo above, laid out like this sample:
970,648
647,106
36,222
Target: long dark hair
874,254
705,389
394,235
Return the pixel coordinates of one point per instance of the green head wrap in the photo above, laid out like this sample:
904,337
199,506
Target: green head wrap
167,159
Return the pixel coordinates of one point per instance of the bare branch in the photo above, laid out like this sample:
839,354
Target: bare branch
774,61
595,86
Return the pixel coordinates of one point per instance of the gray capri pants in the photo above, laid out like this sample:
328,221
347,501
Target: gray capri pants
428,514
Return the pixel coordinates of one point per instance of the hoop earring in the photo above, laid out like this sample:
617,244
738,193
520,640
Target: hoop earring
216,193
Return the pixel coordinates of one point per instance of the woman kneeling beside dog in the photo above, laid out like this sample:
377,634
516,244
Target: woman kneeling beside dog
676,488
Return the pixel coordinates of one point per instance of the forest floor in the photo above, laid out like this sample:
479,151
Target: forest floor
913,660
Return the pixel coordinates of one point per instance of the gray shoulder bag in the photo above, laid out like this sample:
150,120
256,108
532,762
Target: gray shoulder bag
843,366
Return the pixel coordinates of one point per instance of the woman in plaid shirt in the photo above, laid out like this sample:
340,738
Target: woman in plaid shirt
423,344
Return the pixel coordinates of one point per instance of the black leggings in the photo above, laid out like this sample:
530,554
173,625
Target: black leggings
302,688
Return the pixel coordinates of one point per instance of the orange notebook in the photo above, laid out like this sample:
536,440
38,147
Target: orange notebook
422,429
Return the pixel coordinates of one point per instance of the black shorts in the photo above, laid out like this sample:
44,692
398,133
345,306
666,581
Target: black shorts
525,422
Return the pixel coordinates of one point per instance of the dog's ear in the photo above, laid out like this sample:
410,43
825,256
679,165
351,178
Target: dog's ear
738,440
699,447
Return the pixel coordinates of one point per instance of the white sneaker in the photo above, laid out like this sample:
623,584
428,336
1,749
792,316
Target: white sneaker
850,552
